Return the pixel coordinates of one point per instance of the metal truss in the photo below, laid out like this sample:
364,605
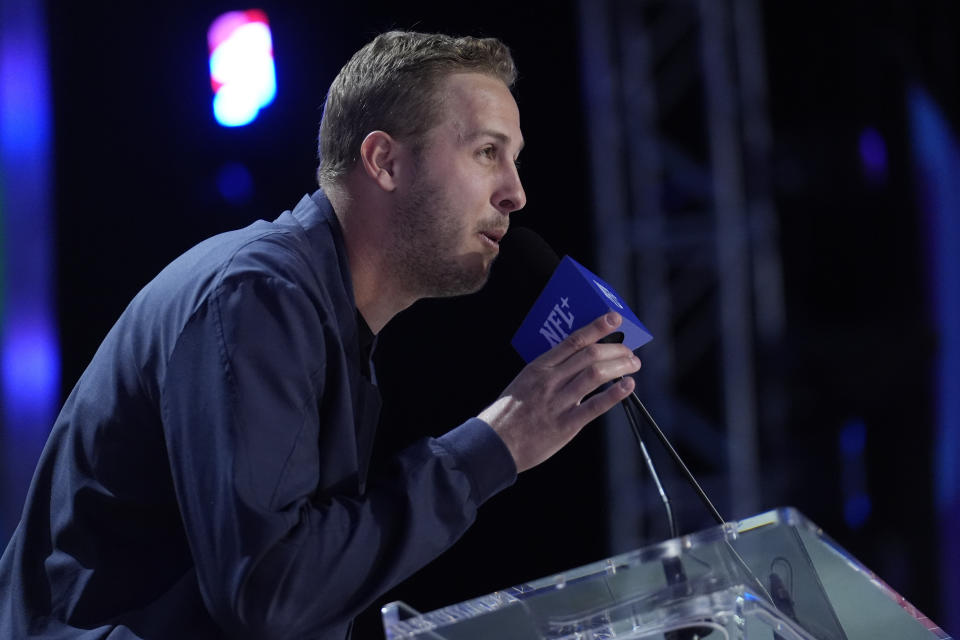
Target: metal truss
680,145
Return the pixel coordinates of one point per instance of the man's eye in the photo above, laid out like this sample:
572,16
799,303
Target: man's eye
488,152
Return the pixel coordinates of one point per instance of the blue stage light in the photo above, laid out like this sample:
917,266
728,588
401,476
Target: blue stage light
30,372
235,183
936,155
29,352
242,72
854,482
856,510
853,439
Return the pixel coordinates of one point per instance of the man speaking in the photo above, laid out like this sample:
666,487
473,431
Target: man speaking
208,476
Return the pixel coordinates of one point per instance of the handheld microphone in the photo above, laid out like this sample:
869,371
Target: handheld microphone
572,298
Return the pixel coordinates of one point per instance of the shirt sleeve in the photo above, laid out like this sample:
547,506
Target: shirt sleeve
276,555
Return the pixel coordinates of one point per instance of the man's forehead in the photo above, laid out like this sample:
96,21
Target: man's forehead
479,105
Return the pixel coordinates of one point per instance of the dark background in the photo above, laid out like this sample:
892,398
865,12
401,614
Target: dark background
137,154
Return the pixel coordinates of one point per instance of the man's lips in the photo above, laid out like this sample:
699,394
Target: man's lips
494,235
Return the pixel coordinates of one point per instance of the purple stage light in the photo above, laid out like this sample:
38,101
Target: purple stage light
873,155
242,71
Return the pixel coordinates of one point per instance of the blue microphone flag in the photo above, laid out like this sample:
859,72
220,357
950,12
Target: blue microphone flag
573,298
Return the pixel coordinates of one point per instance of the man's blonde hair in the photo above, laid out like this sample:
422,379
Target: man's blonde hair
391,85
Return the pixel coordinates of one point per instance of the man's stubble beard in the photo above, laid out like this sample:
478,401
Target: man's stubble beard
425,248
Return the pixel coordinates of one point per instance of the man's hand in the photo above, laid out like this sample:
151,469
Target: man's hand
543,408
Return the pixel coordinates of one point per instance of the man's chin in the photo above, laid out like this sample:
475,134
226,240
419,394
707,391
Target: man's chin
461,288
463,282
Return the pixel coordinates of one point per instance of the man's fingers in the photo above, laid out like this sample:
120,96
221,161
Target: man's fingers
602,402
592,358
544,406
581,338
599,373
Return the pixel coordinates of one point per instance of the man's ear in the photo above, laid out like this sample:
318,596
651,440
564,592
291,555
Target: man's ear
378,156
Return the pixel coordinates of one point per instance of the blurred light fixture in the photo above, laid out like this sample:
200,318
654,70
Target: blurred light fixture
873,155
853,452
235,183
241,66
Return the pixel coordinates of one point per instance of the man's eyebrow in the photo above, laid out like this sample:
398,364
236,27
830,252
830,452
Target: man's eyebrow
498,135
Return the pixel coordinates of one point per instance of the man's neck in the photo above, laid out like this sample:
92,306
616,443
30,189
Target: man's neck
365,225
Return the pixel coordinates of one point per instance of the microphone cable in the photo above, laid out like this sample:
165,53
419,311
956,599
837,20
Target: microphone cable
651,469
634,402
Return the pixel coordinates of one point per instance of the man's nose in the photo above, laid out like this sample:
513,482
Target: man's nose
511,197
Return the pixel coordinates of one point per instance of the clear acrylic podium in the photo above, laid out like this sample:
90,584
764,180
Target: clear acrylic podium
775,576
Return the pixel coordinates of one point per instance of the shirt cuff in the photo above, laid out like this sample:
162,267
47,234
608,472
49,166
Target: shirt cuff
483,456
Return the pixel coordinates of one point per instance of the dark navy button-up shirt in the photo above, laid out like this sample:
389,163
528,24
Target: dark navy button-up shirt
207,476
